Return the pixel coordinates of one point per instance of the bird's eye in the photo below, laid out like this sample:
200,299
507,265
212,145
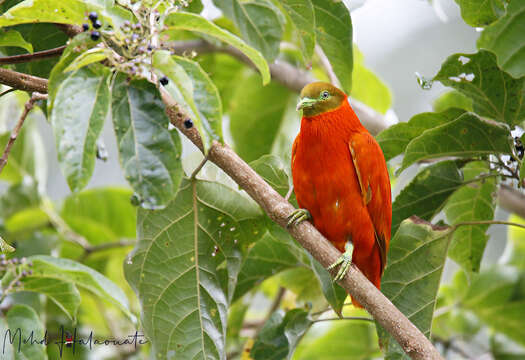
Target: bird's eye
324,95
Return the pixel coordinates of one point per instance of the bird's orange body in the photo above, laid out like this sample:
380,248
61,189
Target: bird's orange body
340,177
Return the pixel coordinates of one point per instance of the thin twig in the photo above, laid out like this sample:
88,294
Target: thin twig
199,167
39,55
345,318
488,222
14,134
62,227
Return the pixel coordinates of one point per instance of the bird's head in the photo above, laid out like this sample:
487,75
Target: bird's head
320,97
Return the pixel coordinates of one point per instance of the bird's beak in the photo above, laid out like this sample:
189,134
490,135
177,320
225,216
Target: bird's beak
305,102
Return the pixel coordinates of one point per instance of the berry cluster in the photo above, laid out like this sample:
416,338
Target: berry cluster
22,265
520,149
95,23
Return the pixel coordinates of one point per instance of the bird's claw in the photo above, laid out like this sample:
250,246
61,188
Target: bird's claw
298,216
345,260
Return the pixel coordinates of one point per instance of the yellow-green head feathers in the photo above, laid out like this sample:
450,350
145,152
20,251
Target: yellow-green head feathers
319,97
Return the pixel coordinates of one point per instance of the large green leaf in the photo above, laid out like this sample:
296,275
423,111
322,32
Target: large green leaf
427,192
394,140
472,202
80,108
65,270
344,340
174,268
467,136
192,22
206,96
495,94
280,334
14,38
63,12
63,293
274,252
333,27
481,13
505,39
303,17
23,321
496,297
149,152
452,99
411,280
256,113
259,23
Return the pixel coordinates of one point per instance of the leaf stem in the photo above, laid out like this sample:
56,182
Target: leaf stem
198,168
488,222
345,318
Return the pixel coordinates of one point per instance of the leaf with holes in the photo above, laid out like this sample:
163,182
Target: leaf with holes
467,136
472,202
394,140
426,194
494,93
411,280
149,152
80,108
196,23
505,39
174,268
333,27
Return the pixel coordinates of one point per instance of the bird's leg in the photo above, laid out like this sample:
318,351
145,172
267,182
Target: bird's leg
345,260
298,216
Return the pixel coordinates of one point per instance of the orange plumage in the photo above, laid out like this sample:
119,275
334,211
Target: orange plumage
340,177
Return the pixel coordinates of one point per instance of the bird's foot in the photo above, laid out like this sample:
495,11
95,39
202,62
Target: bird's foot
298,216
345,260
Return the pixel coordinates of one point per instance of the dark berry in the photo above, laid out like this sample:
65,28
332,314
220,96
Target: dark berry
85,27
95,35
150,47
164,80
93,16
97,24
188,124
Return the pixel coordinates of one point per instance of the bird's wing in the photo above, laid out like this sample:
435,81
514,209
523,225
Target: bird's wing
372,175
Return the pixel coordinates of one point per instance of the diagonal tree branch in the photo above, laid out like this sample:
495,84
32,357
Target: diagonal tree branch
23,81
39,55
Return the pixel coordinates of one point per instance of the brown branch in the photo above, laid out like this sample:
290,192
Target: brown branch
39,55
14,134
511,200
23,81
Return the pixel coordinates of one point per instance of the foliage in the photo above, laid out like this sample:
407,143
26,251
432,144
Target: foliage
210,275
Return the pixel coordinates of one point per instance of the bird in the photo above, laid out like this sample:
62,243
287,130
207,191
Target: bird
341,182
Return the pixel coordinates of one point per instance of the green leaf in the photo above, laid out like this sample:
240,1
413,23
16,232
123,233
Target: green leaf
367,87
274,252
14,38
452,99
192,22
206,96
5,247
303,17
173,268
259,23
394,140
80,275
516,239
280,334
504,38
183,92
427,192
467,136
333,27
495,94
411,280
26,319
63,293
275,172
522,170
256,113
81,105
481,13
87,57
494,297
333,293
149,152
344,340
472,202
63,12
